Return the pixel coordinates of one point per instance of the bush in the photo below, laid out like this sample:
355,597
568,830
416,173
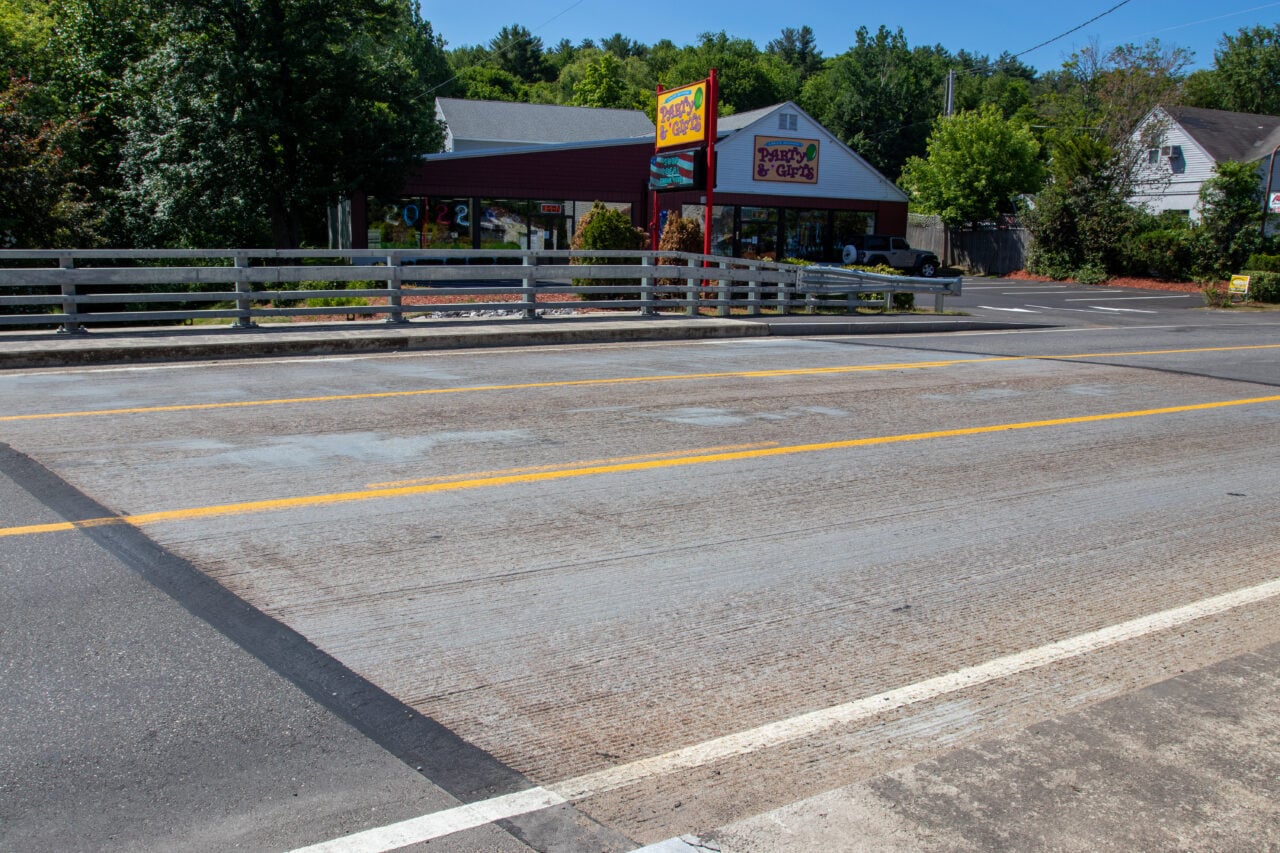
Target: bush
681,234
1264,285
1090,274
1263,263
605,228
1166,254
1216,295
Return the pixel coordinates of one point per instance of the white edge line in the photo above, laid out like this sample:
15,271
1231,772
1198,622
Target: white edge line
436,825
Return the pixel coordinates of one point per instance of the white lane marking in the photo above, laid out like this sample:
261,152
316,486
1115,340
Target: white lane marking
428,827
1017,310
1121,310
419,829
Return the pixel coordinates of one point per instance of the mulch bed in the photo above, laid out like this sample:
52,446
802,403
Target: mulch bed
1140,283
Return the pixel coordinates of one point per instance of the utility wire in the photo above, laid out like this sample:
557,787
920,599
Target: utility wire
1072,30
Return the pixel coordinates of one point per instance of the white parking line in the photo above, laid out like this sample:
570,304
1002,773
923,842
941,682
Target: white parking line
436,825
1123,298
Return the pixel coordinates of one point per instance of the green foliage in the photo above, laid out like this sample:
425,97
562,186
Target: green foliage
42,203
1230,205
977,162
1216,294
1264,285
604,84
1246,72
1263,263
798,49
1080,227
605,228
748,79
250,117
519,52
880,97
1166,253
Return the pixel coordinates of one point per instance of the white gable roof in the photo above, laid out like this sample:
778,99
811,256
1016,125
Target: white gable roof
842,173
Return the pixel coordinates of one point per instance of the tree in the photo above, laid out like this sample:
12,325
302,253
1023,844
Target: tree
880,97
519,53
1230,210
41,199
977,162
604,84
1246,72
799,49
748,80
253,115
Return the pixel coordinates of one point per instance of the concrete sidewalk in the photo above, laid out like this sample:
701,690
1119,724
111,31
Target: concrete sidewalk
34,349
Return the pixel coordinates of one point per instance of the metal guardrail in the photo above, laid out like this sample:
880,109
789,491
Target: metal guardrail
66,288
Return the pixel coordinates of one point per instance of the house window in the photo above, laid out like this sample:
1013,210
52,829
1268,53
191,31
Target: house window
1153,156
787,121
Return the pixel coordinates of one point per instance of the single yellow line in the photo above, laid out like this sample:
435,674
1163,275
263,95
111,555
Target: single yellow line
247,507
622,380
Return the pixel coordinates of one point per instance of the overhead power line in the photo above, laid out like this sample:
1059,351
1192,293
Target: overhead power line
1073,29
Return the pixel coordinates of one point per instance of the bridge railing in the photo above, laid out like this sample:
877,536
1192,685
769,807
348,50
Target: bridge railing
71,289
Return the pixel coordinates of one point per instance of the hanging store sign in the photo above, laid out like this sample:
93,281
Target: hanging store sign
792,161
678,170
682,115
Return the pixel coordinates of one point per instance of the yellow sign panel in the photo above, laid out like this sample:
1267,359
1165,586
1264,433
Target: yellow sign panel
1239,284
682,115
793,161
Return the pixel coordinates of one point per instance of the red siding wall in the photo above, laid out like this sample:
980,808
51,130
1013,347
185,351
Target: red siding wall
617,173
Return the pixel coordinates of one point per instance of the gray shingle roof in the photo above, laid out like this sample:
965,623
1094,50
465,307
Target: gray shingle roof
506,123
1243,137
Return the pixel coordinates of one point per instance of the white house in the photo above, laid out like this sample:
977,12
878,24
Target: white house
1177,148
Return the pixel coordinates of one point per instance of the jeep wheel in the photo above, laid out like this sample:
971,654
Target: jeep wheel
928,268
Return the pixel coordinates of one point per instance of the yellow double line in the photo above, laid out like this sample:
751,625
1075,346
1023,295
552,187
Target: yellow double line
623,380
588,469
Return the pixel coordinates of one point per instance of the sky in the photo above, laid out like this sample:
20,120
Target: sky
990,28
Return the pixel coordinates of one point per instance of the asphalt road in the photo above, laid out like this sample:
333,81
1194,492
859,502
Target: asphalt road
900,592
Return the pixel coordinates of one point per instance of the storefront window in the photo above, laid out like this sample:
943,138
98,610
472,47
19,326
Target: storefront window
395,223
806,234
849,224
758,235
447,224
504,224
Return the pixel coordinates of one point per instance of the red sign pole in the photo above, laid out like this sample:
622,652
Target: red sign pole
654,219
713,107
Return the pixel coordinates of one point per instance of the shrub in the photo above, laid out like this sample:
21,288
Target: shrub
1263,263
1264,285
605,228
1090,274
1216,295
1166,254
681,234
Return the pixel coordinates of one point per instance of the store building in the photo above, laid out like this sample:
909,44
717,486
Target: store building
518,175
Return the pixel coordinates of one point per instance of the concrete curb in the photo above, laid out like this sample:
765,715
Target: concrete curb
19,350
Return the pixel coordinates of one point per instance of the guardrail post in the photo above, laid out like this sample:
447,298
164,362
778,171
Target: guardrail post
244,301
754,295
648,301
937,302
395,301
72,325
724,294
786,289
694,295
529,287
